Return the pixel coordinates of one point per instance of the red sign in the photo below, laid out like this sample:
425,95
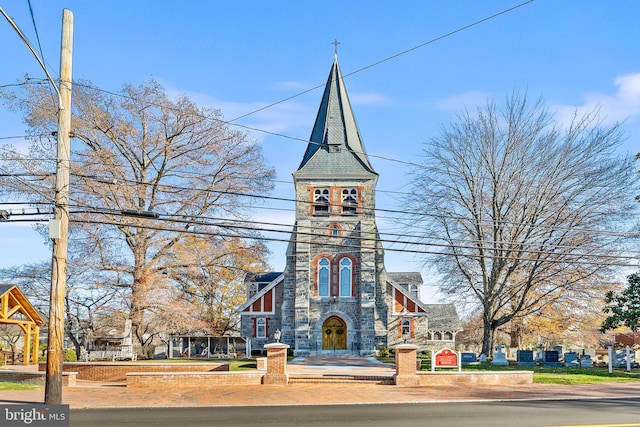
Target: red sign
446,359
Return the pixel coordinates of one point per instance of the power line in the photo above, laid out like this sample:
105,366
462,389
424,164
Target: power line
232,122
466,27
321,231
576,257
370,211
404,213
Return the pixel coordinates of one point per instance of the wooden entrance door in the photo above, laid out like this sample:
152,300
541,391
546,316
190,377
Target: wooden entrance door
334,334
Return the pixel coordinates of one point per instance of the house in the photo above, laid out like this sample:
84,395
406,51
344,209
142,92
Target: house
335,295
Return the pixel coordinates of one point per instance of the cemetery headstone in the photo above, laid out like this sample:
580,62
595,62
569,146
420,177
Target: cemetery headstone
499,358
525,358
585,361
551,358
620,359
469,359
571,360
483,358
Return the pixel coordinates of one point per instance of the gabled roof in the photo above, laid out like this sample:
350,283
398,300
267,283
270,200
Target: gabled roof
275,279
406,293
412,278
261,277
442,317
335,147
14,302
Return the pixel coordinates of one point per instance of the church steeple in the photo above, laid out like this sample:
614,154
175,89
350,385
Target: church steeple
335,147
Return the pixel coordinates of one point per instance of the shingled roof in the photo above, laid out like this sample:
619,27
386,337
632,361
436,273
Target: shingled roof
443,317
335,147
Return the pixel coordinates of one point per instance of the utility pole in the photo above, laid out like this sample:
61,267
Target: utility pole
53,379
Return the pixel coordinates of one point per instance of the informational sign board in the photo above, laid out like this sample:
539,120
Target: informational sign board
446,358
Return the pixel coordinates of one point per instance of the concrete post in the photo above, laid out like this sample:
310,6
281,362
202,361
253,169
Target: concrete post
276,364
628,355
406,374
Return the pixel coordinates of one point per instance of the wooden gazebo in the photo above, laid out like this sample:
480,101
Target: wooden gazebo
15,309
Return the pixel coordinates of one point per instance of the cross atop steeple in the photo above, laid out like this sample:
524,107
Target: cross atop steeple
335,44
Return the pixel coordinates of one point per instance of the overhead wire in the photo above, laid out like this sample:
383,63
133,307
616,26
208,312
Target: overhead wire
466,27
319,231
361,69
582,258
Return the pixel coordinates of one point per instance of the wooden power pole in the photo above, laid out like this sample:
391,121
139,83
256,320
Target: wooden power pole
60,226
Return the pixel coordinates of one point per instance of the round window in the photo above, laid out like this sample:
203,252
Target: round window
327,331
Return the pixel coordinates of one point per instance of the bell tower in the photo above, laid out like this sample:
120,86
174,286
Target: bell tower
334,275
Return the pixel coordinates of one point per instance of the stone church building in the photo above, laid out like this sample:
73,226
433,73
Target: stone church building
335,295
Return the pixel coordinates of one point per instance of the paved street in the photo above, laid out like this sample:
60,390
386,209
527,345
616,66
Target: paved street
319,404
459,414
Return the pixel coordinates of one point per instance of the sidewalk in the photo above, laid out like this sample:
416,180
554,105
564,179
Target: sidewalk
104,395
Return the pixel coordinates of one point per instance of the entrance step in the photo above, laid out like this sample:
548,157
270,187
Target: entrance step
332,353
340,379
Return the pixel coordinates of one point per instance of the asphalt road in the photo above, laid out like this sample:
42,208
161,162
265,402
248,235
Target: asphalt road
595,412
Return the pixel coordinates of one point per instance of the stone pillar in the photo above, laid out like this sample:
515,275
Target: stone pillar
276,364
406,374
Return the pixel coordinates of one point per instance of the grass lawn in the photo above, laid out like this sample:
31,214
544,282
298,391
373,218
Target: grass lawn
548,375
234,364
559,375
5,385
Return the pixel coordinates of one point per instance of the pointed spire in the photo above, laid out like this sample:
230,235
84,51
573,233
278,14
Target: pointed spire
335,132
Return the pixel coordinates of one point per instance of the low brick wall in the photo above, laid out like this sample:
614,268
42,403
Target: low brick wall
117,371
181,380
30,377
475,378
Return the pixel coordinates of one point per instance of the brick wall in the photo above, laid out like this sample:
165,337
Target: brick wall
475,378
68,378
93,371
177,380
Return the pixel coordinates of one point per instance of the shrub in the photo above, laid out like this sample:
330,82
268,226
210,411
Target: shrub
70,355
384,352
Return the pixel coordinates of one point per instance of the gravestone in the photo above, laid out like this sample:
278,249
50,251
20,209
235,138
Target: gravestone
499,358
558,348
620,359
585,361
571,360
551,358
469,359
525,358
483,358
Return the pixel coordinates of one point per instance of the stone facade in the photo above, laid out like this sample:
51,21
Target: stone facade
335,295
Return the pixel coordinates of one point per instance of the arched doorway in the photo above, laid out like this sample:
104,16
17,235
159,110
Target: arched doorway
334,334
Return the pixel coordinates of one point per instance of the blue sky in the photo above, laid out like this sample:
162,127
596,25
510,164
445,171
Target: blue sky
243,55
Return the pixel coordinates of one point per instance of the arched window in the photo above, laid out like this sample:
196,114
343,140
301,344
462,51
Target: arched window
323,277
345,277
335,230
321,201
448,336
349,201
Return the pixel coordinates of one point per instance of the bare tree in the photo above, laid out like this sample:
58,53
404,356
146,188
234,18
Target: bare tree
139,152
520,205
